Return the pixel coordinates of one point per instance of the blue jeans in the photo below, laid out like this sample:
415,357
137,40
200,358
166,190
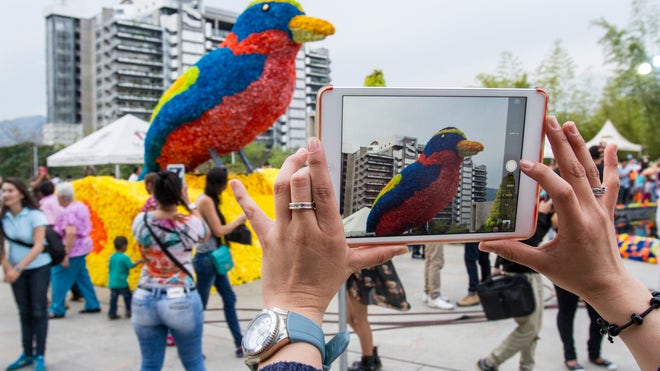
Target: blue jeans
114,295
472,254
153,314
64,278
31,295
207,277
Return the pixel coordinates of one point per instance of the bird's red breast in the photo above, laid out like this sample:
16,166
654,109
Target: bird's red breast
425,203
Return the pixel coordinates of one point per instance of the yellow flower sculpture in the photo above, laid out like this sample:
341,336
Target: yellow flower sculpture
113,203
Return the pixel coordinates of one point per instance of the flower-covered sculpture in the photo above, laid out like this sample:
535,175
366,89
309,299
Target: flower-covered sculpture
234,93
423,188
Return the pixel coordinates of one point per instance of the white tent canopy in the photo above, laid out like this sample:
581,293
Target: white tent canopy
607,134
121,142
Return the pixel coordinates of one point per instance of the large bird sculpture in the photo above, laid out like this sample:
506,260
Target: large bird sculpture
234,93
422,189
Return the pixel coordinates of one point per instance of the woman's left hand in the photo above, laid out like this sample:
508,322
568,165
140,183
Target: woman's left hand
305,256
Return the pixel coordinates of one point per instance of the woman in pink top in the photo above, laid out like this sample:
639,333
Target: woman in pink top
75,225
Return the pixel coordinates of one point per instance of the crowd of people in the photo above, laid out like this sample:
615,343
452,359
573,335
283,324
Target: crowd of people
302,244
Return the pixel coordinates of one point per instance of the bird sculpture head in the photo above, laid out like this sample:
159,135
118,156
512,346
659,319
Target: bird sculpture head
451,139
284,15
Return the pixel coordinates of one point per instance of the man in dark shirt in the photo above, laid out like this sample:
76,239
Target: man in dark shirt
524,337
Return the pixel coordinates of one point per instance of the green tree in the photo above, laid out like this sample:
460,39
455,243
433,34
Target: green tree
510,74
632,101
376,78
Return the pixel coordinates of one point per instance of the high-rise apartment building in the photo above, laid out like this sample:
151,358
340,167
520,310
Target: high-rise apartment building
121,60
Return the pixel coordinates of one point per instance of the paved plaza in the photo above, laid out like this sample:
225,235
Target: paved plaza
420,340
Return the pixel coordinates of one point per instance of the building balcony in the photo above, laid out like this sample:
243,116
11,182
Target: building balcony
137,98
135,36
126,72
129,85
139,62
135,110
150,51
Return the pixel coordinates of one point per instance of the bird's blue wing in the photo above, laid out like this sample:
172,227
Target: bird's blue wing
414,177
221,74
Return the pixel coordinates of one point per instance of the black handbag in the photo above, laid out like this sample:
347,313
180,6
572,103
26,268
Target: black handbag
240,234
506,296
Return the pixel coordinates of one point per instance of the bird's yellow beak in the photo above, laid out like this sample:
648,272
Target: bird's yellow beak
304,29
469,148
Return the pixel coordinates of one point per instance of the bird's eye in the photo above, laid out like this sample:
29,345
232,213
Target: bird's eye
265,7
442,136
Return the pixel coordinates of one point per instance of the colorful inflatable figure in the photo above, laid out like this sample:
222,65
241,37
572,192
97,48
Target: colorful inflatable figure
422,189
234,93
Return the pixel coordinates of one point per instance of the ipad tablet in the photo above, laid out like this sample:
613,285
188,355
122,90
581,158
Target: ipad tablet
413,165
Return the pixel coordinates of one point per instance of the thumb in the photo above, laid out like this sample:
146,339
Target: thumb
369,256
515,251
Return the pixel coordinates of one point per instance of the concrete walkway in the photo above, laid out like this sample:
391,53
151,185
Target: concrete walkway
420,340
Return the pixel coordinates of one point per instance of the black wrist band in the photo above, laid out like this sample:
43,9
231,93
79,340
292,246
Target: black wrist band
635,319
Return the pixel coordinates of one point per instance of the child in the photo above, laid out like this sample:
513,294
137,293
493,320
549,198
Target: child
119,266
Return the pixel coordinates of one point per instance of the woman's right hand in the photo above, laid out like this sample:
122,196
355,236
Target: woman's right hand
305,256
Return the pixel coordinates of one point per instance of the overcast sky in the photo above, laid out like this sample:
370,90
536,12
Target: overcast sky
437,43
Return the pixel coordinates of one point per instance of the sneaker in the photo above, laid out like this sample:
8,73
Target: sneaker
128,314
40,364
239,352
483,366
574,366
21,362
440,303
426,298
468,300
170,341
602,362
113,316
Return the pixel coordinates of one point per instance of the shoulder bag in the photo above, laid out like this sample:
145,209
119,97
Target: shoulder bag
221,258
506,295
53,246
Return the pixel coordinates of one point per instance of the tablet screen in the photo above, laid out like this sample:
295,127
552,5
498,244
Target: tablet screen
415,164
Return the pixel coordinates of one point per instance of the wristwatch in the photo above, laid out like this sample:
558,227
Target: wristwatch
273,328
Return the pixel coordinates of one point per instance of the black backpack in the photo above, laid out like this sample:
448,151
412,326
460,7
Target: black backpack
53,245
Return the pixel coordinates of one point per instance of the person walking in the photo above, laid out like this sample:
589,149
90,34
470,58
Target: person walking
74,225
524,338
27,269
471,256
434,261
166,297
208,205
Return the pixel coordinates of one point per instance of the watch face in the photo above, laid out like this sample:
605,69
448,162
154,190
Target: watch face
260,333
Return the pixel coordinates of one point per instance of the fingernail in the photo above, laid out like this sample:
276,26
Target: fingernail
312,145
301,150
526,164
485,247
553,123
572,128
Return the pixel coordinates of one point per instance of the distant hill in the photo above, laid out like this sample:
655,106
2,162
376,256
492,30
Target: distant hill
21,130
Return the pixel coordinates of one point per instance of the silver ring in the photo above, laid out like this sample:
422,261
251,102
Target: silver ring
305,205
599,191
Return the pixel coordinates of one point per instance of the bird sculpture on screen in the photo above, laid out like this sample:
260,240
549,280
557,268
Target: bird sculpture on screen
424,188
235,92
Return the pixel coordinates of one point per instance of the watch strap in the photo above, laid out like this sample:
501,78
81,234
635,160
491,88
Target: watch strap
302,329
